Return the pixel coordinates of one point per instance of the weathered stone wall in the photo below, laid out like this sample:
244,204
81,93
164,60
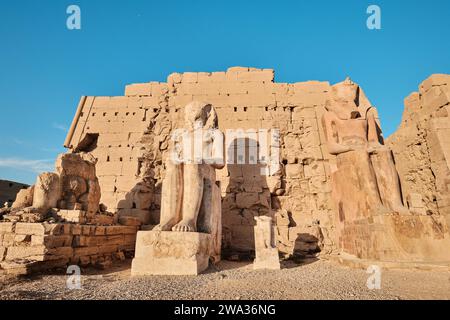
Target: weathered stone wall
129,135
28,247
421,148
9,190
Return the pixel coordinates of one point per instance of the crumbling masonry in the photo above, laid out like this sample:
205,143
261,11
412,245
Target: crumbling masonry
128,137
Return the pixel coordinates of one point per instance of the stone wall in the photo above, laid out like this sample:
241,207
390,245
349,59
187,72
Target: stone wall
9,190
129,135
421,147
28,247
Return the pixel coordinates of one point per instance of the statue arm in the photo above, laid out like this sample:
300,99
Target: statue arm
373,134
334,147
218,150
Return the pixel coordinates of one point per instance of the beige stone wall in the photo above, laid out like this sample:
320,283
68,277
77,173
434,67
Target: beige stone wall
9,190
421,147
133,133
28,247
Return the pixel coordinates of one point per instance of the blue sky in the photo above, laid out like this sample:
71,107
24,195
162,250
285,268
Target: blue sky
45,68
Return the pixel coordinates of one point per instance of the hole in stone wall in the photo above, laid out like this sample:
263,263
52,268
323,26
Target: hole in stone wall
88,143
235,109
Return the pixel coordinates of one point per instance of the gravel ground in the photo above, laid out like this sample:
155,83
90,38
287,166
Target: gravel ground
236,280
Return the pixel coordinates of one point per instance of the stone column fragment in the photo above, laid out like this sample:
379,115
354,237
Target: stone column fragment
265,245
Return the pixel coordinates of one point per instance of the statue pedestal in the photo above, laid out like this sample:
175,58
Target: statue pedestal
171,253
265,245
267,259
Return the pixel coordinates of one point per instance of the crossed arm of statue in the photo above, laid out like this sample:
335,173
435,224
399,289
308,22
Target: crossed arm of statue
346,131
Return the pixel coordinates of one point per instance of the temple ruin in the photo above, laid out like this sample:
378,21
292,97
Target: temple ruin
338,187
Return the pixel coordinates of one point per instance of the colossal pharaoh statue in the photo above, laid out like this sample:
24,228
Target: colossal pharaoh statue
354,136
191,199
189,233
371,220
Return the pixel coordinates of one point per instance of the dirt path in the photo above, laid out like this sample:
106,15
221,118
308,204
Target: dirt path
237,280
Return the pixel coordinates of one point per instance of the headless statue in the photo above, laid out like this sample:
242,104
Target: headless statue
351,127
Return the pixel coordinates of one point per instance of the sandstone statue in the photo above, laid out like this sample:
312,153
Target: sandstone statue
371,221
47,192
190,197
24,198
189,233
74,186
80,187
354,136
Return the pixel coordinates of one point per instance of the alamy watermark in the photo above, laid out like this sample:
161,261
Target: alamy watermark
250,146
374,280
374,20
73,281
73,21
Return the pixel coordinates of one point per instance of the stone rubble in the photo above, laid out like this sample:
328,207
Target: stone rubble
112,175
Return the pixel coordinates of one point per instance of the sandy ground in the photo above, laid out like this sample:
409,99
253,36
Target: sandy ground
236,280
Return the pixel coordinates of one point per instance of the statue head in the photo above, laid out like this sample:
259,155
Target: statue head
200,115
348,100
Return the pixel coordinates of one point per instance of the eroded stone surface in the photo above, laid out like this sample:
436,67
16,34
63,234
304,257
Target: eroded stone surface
266,250
334,187
171,253
421,147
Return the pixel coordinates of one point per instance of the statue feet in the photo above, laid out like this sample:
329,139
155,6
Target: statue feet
163,227
184,226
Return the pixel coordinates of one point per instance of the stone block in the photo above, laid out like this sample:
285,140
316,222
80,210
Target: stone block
138,89
30,228
23,252
171,253
111,230
265,245
77,216
247,200
6,227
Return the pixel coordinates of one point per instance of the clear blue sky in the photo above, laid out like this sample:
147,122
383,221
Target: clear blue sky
45,68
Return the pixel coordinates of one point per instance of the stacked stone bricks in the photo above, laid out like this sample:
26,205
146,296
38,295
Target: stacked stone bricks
422,148
131,136
28,247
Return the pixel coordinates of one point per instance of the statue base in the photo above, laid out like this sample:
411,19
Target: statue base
267,259
171,253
